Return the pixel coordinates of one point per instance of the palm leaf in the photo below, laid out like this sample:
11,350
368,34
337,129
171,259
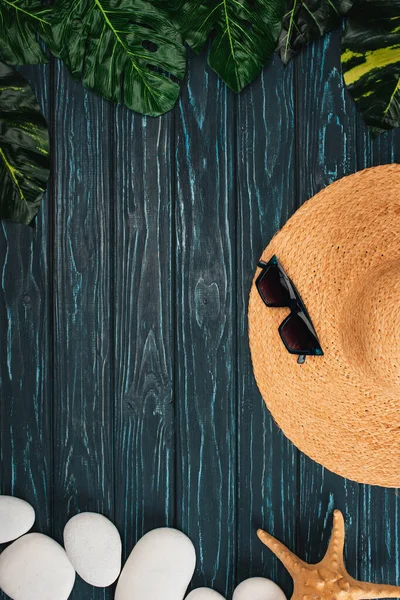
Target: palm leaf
307,20
22,23
125,50
245,31
371,60
24,149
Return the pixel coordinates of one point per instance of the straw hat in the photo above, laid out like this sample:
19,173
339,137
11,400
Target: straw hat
342,251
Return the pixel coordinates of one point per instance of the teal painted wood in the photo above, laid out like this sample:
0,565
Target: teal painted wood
205,307
143,267
327,150
379,551
25,390
25,399
267,486
83,431
125,356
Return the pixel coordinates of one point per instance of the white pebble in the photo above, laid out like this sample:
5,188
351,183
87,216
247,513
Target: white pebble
159,567
204,594
258,588
16,518
35,567
93,546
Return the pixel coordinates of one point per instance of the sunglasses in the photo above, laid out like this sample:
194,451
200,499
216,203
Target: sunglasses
277,290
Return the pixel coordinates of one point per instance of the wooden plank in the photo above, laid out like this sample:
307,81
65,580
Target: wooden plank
267,461
379,550
327,150
143,323
205,321
379,535
83,412
25,398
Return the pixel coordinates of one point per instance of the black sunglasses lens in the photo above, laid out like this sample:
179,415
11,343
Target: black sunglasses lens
272,287
299,336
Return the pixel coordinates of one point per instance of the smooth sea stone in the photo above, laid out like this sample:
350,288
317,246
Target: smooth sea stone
258,588
159,567
35,567
16,518
204,594
93,546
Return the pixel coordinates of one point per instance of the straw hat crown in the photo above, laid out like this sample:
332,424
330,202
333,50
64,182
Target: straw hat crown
342,251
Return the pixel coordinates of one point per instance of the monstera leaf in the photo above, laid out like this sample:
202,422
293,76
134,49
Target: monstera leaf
125,50
307,20
21,24
246,32
24,149
371,60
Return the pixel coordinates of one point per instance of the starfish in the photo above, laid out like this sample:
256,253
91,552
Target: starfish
329,578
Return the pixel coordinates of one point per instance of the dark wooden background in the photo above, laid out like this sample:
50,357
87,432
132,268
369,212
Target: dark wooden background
126,382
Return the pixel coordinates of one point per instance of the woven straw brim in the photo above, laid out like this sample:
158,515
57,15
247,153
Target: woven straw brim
342,251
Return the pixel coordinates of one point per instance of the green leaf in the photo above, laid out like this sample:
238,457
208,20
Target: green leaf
24,148
371,60
307,20
246,32
125,50
22,23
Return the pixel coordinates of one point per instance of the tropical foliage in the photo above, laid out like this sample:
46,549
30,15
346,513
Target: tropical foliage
127,51
244,34
24,148
307,20
371,60
22,23
134,52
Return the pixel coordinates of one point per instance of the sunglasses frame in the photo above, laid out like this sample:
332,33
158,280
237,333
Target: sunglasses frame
295,305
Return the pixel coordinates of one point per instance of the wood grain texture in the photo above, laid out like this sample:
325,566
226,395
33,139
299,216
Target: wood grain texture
327,151
379,512
83,428
267,486
205,324
126,384
144,328
25,400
